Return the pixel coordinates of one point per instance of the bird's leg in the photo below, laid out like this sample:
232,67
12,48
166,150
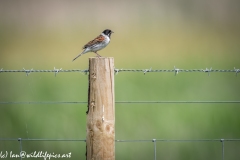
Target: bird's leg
98,54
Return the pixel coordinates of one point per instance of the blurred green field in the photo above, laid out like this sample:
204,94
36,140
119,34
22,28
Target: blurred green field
138,42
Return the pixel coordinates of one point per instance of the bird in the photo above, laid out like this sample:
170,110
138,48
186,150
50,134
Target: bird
97,44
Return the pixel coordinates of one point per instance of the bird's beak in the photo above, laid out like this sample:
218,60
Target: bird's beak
112,32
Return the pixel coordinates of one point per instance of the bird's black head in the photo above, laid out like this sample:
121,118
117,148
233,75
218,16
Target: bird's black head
107,32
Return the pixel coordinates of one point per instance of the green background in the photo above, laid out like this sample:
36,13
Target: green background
158,34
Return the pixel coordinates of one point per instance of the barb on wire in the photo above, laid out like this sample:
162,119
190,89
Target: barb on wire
57,71
176,70
147,70
1,70
28,71
208,71
236,70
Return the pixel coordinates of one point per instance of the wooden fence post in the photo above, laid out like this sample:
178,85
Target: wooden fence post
101,110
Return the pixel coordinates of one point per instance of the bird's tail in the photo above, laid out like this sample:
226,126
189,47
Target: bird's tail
78,56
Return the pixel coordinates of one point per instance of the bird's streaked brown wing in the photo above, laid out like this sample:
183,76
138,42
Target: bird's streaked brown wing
97,40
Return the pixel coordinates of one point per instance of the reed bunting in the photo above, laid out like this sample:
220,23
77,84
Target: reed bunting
97,44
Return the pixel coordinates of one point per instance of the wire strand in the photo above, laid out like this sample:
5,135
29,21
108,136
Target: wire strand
127,70
120,102
136,140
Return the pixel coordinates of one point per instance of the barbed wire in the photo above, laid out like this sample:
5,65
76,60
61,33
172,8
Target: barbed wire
55,71
119,102
177,70
144,71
